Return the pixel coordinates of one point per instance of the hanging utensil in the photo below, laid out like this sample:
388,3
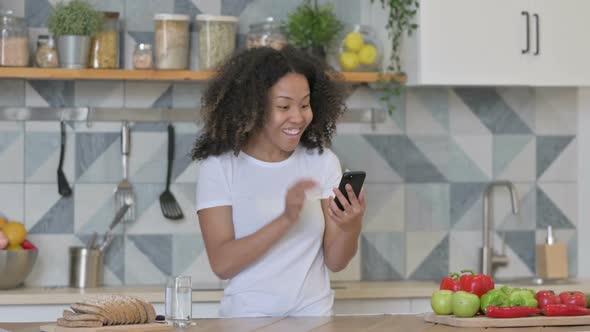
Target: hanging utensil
168,204
124,191
63,187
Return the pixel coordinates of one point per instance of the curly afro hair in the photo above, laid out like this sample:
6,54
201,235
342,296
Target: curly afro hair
234,106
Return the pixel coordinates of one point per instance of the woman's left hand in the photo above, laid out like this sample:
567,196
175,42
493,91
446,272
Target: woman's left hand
350,218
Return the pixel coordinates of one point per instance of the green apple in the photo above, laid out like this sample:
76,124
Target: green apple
465,304
441,302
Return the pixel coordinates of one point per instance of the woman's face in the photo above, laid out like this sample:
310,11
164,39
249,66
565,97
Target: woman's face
290,112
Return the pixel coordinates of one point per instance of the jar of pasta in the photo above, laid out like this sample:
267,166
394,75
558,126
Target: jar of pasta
217,39
172,41
104,47
14,41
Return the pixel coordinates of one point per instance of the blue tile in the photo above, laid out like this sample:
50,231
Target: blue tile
427,207
115,257
382,256
436,100
549,214
12,92
59,219
436,265
548,150
462,168
148,194
145,37
139,14
6,139
187,7
523,244
89,147
463,197
233,7
185,250
493,111
182,153
506,148
56,93
157,248
391,148
417,167
38,148
37,12
165,100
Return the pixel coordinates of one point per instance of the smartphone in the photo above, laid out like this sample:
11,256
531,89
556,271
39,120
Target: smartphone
356,180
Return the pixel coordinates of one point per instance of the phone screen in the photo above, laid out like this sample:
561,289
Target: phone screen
356,180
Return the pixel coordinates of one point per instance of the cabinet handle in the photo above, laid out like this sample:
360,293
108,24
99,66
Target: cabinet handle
528,32
538,33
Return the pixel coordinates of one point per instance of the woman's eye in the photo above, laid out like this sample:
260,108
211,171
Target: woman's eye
304,106
283,107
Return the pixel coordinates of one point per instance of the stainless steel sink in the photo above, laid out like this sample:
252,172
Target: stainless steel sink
534,281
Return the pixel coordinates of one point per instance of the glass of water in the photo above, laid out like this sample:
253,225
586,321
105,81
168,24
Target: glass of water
179,301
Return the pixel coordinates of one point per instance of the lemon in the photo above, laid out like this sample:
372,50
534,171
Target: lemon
354,41
368,54
3,222
15,232
349,61
14,247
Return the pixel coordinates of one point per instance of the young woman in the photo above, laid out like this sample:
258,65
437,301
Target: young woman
267,182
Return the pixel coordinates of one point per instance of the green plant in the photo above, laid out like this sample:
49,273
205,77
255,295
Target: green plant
75,18
311,26
400,20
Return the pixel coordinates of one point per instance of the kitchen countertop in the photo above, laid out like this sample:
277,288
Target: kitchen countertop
350,290
407,323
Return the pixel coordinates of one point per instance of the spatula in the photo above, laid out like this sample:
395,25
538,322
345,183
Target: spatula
168,204
124,192
63,187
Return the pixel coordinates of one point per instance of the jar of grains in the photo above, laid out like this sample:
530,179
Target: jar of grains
268,33
172,41
46,54
14,41
217,39
104,47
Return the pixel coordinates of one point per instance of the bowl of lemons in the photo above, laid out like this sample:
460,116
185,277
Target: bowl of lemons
359,50
17,254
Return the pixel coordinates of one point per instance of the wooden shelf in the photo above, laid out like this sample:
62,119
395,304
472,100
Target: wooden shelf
144,75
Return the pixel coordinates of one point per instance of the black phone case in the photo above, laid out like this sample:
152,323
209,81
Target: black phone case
356,180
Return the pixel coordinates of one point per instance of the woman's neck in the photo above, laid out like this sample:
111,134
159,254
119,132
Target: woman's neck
265,152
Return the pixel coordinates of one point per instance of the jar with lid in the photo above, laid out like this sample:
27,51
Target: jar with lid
46,54
14,41
142,56
217,39
267,33
104,47
172,41
359,49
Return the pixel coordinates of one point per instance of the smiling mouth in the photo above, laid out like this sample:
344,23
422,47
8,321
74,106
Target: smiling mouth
292,131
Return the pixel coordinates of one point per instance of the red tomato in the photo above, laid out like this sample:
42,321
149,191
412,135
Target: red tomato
546,297
575,298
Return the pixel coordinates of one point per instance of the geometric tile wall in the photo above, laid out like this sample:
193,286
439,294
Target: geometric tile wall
427,166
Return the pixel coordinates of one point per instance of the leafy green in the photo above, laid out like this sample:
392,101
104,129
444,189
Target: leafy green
75,18
495,297
312,26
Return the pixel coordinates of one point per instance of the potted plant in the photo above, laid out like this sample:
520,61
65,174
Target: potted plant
312,27
400,20
73,24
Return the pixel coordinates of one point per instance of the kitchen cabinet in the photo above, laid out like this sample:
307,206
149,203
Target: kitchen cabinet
499,42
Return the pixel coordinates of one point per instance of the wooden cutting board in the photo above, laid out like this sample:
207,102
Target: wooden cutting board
506,322
153,327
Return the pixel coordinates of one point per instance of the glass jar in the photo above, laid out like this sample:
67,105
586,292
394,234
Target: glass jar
217,39
267,33
14,41
359,49
172,41
142,56
104,47
46,54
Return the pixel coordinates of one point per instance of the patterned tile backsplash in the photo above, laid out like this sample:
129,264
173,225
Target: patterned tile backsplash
428,166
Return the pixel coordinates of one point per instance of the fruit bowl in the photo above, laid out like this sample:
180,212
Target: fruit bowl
359,50
15,266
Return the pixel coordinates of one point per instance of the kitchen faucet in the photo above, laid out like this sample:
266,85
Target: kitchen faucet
489,260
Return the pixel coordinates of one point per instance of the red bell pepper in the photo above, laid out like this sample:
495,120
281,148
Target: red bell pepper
27,245
478,284
565,310
545,297
575,298
511,312
451,282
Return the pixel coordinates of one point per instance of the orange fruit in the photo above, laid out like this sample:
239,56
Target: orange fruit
15,232
14,247
3,222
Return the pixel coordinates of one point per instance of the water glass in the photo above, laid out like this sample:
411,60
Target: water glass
179,301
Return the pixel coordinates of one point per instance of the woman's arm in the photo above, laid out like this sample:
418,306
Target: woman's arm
343,228
228,255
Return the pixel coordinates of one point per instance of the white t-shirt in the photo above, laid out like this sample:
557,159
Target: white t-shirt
291,279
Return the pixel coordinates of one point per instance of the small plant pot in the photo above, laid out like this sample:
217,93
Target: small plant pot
73,51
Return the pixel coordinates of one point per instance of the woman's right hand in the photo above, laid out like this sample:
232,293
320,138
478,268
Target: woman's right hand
296,198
